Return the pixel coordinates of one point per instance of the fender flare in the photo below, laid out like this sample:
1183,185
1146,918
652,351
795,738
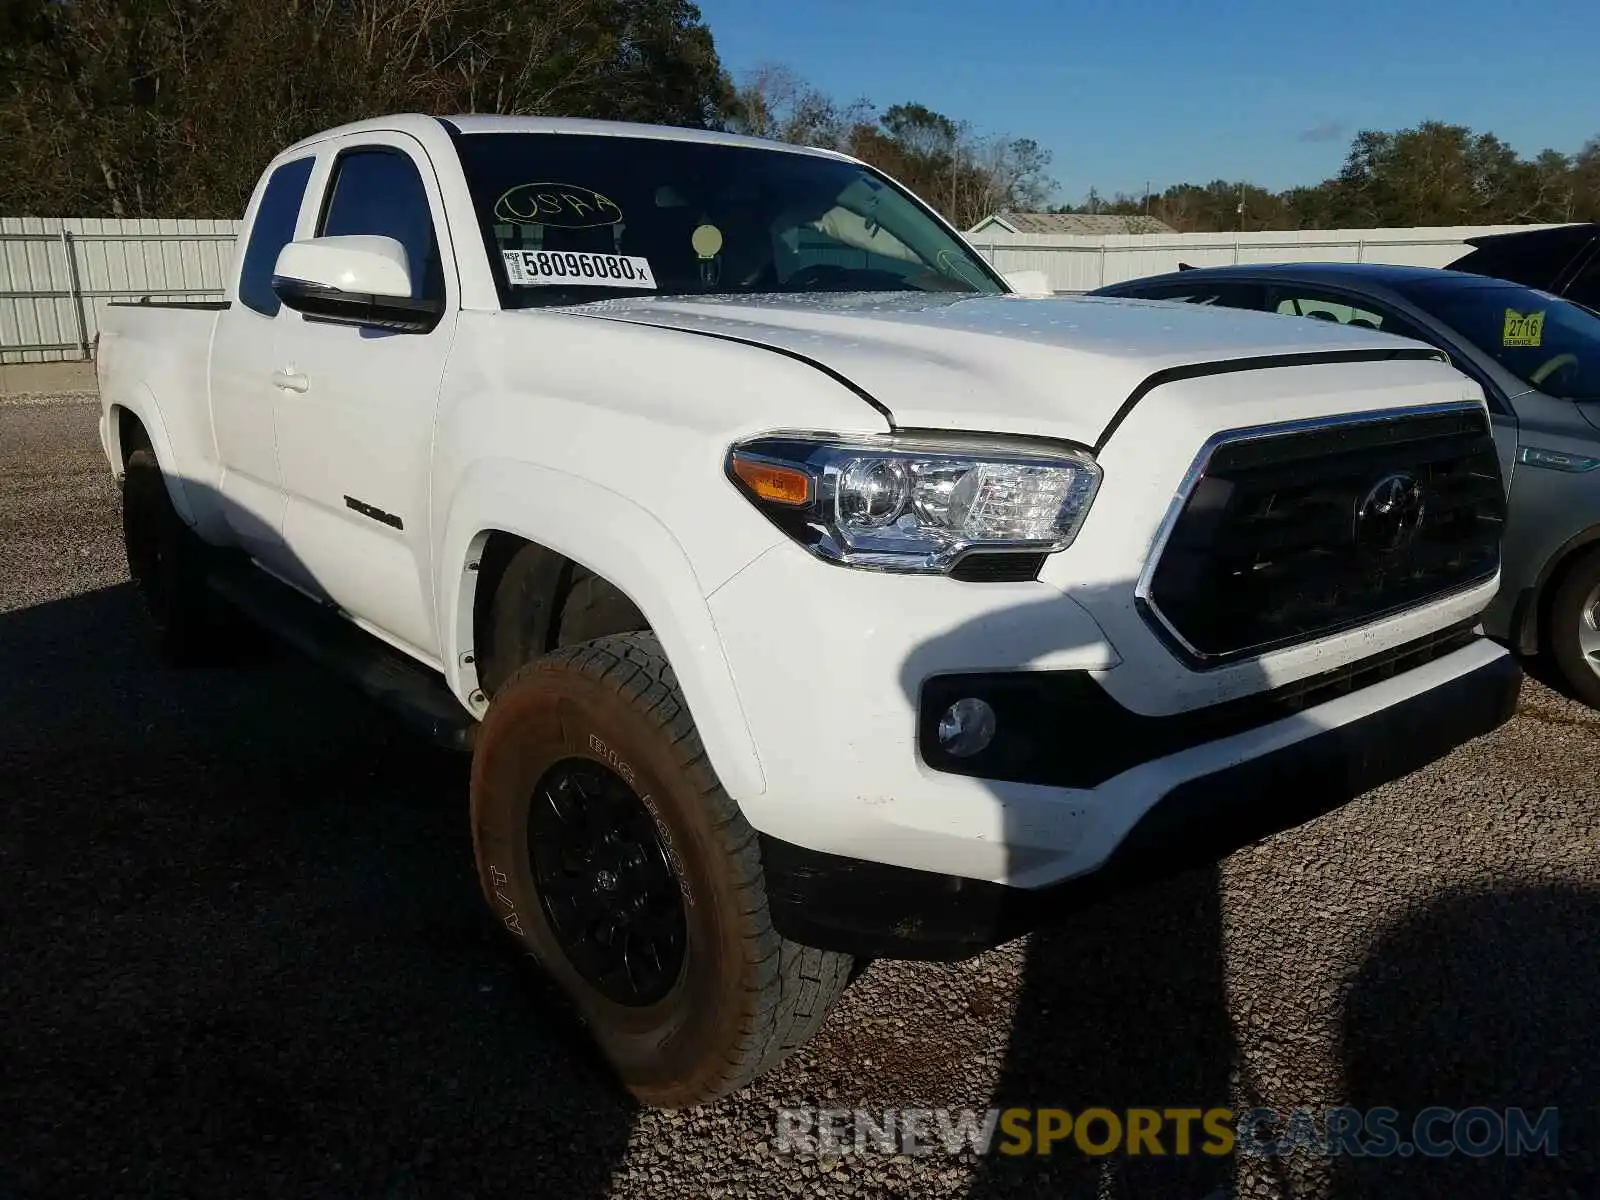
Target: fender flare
623,543
139,400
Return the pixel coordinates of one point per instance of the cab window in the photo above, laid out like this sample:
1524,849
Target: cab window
270,232
377,190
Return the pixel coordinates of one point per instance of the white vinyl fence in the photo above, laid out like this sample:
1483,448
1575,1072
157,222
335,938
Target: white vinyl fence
56,275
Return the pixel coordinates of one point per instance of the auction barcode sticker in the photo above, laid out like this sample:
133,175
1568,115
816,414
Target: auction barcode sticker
540,268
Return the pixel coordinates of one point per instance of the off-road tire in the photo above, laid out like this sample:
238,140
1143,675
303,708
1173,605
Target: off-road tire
745,997
1566,617
167,561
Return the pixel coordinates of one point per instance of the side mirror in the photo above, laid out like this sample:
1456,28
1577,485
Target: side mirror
356,279
1029,283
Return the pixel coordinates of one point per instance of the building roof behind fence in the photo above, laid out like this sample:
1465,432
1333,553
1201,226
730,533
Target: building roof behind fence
1086,223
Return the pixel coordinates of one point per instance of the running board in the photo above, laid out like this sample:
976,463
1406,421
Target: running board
407,688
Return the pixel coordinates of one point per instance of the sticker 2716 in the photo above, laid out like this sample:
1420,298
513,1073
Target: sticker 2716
540,268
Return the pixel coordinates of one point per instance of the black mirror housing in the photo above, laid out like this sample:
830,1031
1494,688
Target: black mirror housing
399,314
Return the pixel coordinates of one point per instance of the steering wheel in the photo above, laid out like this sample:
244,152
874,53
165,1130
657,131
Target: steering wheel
1551,366
815,275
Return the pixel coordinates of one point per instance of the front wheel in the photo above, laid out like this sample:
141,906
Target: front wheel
608,849
1574,632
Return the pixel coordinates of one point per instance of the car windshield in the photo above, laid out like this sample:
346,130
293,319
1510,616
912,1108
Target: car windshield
570,218
1547,343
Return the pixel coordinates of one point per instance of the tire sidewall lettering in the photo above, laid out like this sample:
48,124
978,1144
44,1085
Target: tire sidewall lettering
624,769
509,916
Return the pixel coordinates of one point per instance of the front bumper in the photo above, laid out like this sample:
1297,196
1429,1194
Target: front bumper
833,668
878,910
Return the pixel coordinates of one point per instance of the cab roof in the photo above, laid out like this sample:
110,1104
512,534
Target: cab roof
422,125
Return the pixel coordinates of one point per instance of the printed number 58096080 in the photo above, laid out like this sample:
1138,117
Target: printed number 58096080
538,268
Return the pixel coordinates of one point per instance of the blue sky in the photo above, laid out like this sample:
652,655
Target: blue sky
1168,91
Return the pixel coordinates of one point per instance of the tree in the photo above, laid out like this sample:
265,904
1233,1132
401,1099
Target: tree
1586,182
962,174
774,102
1439,174
1433,174
172,107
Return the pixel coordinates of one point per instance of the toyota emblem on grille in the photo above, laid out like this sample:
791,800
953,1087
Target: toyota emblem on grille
1390,514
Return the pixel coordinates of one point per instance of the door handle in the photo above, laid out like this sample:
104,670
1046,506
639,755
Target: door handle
290,381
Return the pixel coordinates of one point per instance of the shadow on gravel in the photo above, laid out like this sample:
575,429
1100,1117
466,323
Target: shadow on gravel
245,952
1124,993
1542,669
1122,1006
1482,998
1123,1002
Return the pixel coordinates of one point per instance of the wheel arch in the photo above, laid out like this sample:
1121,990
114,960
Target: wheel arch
1531,625
136,413
530,600
502,508
130,434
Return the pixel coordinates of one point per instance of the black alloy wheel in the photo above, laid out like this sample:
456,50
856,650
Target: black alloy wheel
609,851
605,883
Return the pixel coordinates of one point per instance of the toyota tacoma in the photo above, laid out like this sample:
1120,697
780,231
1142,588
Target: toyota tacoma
803,590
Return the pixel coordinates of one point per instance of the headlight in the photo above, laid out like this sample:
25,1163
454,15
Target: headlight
916,504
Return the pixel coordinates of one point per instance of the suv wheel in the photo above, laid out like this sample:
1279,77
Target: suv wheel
609,851
1574,632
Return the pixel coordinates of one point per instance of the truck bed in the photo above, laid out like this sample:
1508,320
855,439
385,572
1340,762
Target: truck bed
160,350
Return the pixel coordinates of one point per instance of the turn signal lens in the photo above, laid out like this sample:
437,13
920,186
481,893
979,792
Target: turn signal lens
773,483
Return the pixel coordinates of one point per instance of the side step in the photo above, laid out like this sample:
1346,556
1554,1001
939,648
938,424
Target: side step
411,690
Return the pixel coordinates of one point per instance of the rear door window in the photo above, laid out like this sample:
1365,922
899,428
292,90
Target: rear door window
1342,310
272,230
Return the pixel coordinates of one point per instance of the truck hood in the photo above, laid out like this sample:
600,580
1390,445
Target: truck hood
1058,366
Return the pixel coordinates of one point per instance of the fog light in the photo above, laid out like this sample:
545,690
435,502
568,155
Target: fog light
966,728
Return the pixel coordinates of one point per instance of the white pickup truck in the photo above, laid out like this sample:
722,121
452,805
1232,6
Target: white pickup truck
803,592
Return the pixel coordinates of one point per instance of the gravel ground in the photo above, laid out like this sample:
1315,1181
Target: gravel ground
243,953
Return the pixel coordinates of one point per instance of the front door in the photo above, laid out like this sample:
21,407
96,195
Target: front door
355,423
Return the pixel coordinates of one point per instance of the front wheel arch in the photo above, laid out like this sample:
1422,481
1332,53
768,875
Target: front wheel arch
620,540
531,600
1531,633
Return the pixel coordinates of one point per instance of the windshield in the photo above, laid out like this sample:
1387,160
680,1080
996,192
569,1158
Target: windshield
576,217
1547,343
